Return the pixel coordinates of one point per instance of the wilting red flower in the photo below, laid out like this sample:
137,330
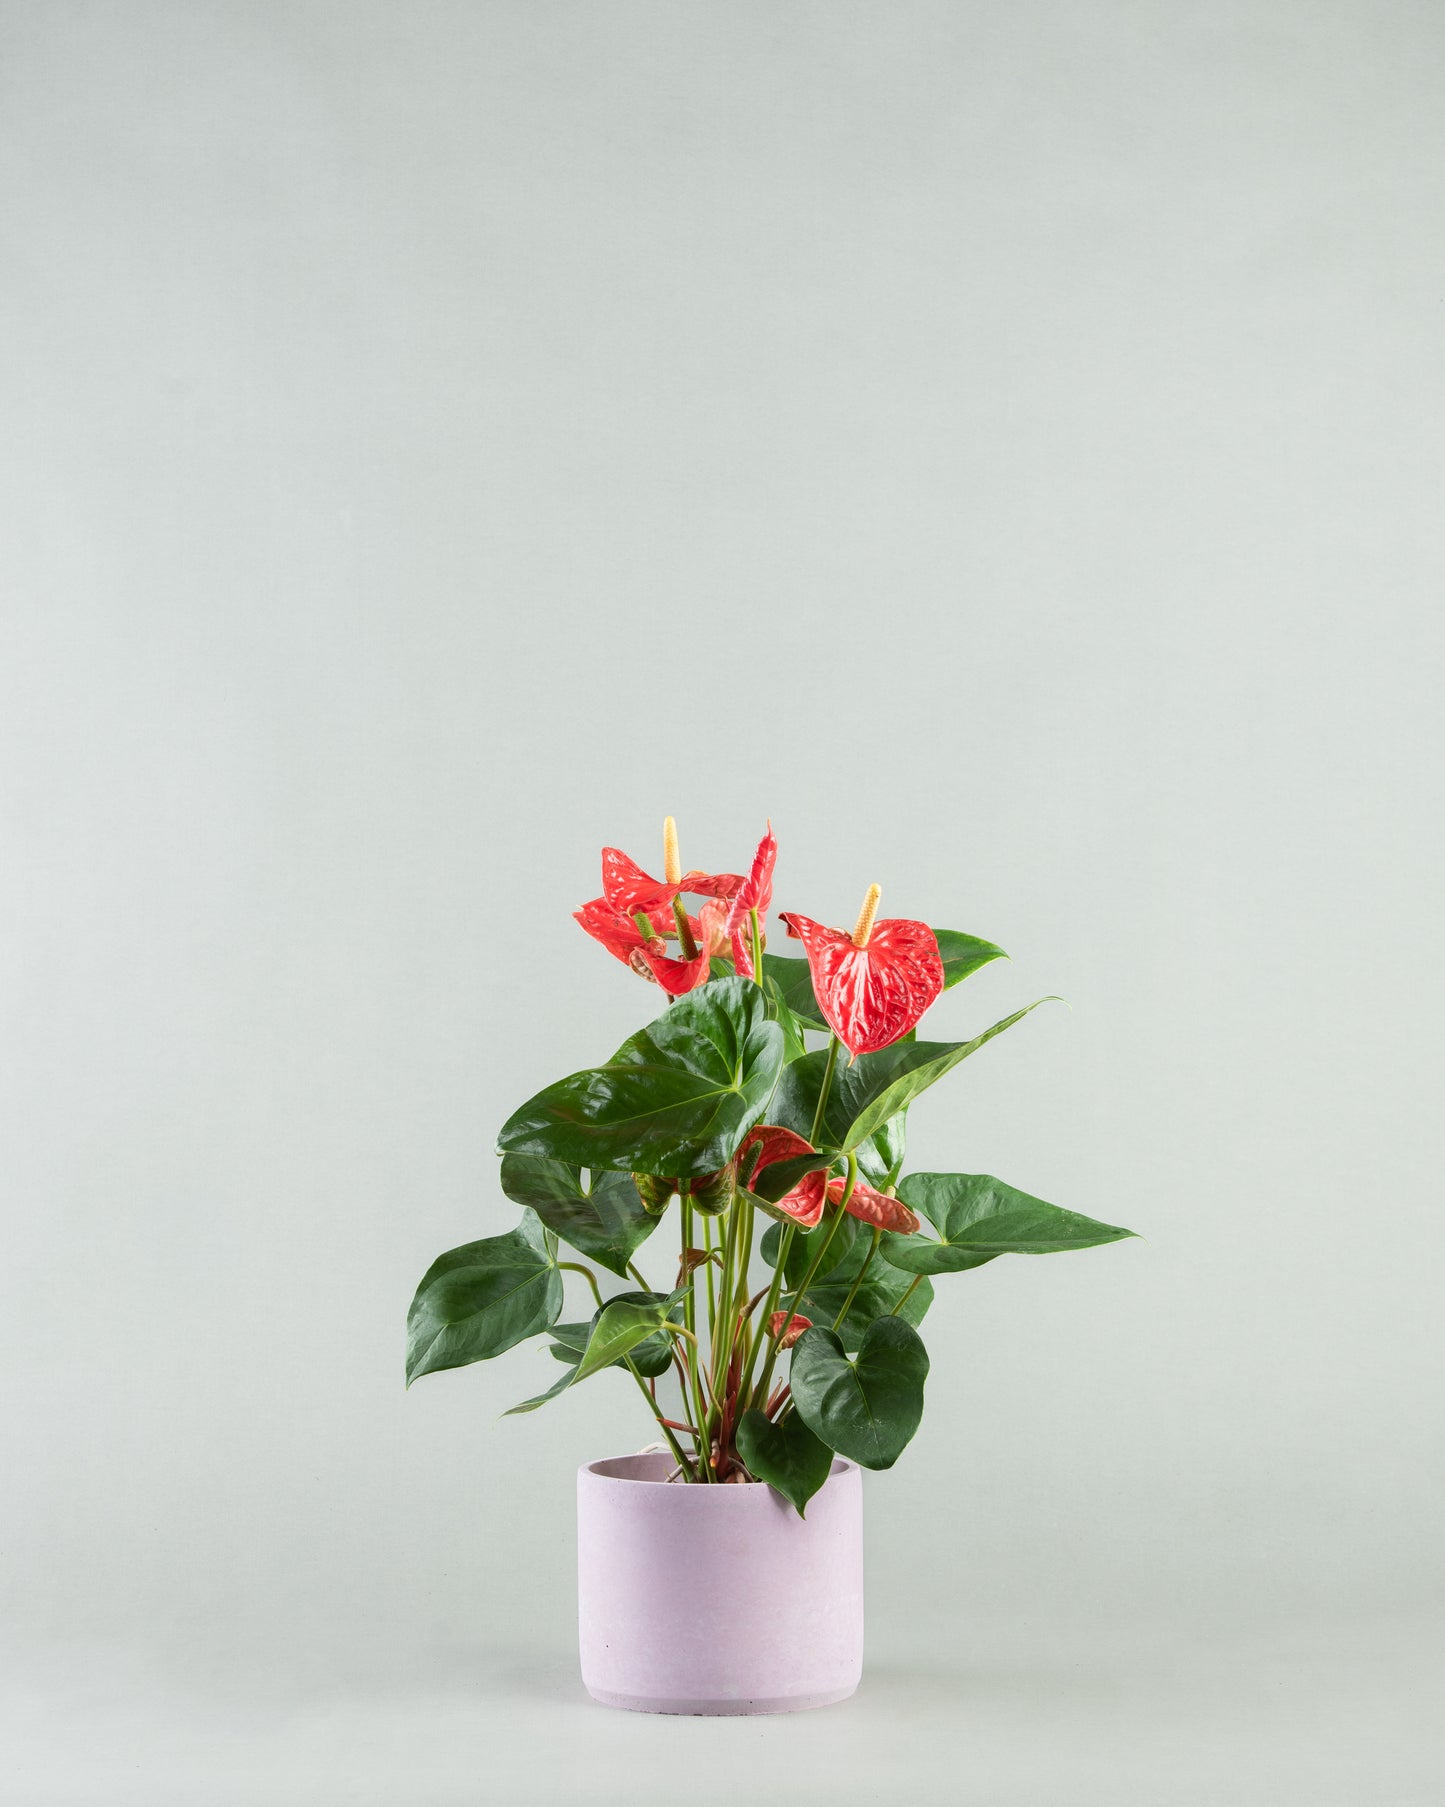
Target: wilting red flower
876,1208
755,893
873,985
804,1204
619,934
795,1326
679,976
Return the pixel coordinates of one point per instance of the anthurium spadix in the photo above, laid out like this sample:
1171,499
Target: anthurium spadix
760,1350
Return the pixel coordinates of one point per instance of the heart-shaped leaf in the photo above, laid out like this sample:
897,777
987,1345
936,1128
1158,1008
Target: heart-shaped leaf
963,954
476,1301
676,1098
978,1217
787,1456
622,1325
601,1216
869,1408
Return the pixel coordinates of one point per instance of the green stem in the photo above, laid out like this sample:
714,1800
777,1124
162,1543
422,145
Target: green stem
576,1267
757,929
824,1089
692,1359
858,1278
638,1278
917,1282
666,1429
711,1281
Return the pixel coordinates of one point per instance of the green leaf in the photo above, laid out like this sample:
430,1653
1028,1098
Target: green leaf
787,1456
676,1099
476,1301
622,1325
795,1104
795,986
884,1286
877,1086
530,1405
806,1244
603,1219
569,1341
978,1217
869,1408
964,954
794,1046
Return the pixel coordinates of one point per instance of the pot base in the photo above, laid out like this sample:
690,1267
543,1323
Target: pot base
718,1709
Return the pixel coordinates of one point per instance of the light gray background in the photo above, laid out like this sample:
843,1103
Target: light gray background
1003,443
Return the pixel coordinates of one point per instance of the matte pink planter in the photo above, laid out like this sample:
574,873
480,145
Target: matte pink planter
696,1599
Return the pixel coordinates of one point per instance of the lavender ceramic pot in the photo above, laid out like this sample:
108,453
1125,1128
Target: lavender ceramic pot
696,1599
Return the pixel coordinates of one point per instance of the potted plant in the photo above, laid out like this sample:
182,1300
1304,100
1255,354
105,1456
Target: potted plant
721,1570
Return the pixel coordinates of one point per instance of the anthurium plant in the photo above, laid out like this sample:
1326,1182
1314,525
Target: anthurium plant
785,1326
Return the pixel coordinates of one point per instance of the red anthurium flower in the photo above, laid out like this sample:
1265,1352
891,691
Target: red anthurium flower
679,976
627,887
786,1330
628,890
876,1208
755,893
873,985
619,934
804,1204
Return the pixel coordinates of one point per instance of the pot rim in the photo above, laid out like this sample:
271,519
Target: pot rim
595,1471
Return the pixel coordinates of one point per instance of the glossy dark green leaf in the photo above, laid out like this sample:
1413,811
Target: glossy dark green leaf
653,1355
877,1086
868,1408
807,1243
476,1301
880,1156
794,1046
623,1325
795,1104
978,1217
787,1456
964,954
569,1341
884,1286
795,987
676,1098
599,1214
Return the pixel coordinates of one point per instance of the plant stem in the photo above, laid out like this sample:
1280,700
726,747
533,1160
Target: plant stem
638,1278
711,1280
691,1359
757,930
824,1089
917,1282
663,1425
576,1267
858,1277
